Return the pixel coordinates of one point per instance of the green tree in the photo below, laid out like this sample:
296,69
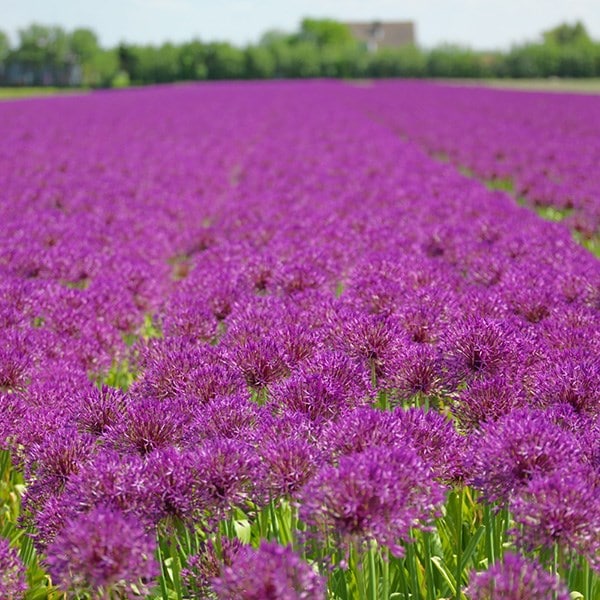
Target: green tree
566,34
325,32
225,61
84,44
192,61
85,47
4,46
41,45
260,62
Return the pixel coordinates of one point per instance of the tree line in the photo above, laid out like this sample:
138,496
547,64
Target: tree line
49,55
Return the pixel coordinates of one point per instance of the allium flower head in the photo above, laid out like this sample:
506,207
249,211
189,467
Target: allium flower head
99,409
12,572
15,362
260,362
232,417
148,424
53,462
322,388
103,549
371,340
516,578
486,400
228,472
288,462
476,348
434,438
505,455
377,494
560,508
204,567
417,370
357,430
570,377
123,482
272,572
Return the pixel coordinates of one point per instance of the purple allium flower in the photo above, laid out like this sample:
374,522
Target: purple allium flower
435,439
174,481
12,572
379,494
204,567
148,424
15,362
272,572
417,370
103,550
486,400
228,472
371,340
288,464
430,434
530,295
561,507
99,409
169,368
357,430
476,348
123,482
322,387
233,417
516,578
570,377
52,463
260,362
504,456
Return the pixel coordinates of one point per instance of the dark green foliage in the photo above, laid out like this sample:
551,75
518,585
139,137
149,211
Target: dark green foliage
320,48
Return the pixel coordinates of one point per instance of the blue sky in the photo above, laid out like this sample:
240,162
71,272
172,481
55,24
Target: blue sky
477,23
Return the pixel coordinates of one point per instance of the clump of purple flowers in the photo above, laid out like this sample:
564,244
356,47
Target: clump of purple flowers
378,494
103,551
272,572
12,572
203,568
504,456
516,578
560,508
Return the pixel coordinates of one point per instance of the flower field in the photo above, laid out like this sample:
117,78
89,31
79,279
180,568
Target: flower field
258,343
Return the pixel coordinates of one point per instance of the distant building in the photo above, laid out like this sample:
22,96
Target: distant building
20,73
383,34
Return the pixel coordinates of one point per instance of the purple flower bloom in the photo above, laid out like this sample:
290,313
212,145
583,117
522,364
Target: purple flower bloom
124,482
487,400
477,348
560,508
148,424
103,550
378,494
99,409
430,434
322,387
570,377
504,456
15,362
288,464
516,578
12,572
272,572
260,362
417,370
52,463
206,566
